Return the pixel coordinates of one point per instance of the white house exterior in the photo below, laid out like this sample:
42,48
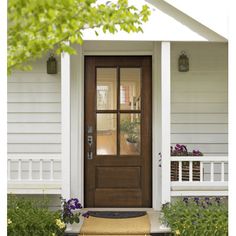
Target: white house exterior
46,112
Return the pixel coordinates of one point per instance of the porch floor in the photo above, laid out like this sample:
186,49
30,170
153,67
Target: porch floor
156,227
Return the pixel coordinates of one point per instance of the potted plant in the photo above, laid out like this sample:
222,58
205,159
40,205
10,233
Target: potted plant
70,211
131,131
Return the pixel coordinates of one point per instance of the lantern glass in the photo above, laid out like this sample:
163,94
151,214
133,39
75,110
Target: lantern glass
183,63
52,65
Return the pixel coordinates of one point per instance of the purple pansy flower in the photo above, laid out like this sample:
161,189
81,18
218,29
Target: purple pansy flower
196,153
185,199
86,214
196,199
218,200
207,200
73,204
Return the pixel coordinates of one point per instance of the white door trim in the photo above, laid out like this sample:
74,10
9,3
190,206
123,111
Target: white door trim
165,120
118,53
156,126
77,109
77,124
65,125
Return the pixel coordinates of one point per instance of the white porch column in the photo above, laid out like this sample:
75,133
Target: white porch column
165,119
65,124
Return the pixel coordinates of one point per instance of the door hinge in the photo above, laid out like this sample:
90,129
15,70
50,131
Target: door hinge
160,159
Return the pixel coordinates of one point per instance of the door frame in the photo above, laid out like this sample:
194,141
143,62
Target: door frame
77,119
138,163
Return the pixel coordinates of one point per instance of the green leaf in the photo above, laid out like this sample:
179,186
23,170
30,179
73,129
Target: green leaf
35,27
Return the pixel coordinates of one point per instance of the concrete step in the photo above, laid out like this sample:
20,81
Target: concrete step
154,234
157,229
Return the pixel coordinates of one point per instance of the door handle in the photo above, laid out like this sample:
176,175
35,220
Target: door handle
90,155
90,144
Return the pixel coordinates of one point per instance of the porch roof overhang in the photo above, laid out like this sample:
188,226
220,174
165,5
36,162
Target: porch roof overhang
166,23
212,14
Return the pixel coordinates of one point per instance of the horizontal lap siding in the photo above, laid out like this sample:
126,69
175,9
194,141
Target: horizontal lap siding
34,111
199,98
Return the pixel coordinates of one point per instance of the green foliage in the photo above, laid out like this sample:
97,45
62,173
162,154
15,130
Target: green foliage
36,27
196,217
28,217
131,129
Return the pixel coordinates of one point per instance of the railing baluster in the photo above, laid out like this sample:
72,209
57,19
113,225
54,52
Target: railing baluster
19,169
51,169
30,169
201,171
212,171
222,171
190,171
8,169
180,171
41,169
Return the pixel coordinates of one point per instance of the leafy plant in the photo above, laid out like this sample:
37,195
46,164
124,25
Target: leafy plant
36,27
31,217
70,213
131,129
196,217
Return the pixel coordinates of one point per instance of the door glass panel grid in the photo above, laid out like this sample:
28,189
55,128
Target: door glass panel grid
130,134
106,88
130,110
118,103
130,88
106,140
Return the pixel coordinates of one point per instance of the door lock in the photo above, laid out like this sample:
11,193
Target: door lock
90,140
90,143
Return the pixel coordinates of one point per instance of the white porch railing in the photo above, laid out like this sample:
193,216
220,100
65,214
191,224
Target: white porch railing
34,174
212,176
41,174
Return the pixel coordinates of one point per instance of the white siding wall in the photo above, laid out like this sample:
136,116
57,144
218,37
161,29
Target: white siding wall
34,111
199,98
199,102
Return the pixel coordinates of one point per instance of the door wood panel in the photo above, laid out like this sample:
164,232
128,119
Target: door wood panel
118,177
115,178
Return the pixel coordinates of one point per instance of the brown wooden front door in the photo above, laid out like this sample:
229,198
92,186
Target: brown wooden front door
118,131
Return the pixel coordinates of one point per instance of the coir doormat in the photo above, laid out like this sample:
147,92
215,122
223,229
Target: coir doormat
116,223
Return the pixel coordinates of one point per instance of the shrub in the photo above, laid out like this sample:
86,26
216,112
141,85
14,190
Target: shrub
196,217
31,217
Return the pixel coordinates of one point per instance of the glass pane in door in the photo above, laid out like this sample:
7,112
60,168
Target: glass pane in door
130,87
106,88
106,134
130,137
